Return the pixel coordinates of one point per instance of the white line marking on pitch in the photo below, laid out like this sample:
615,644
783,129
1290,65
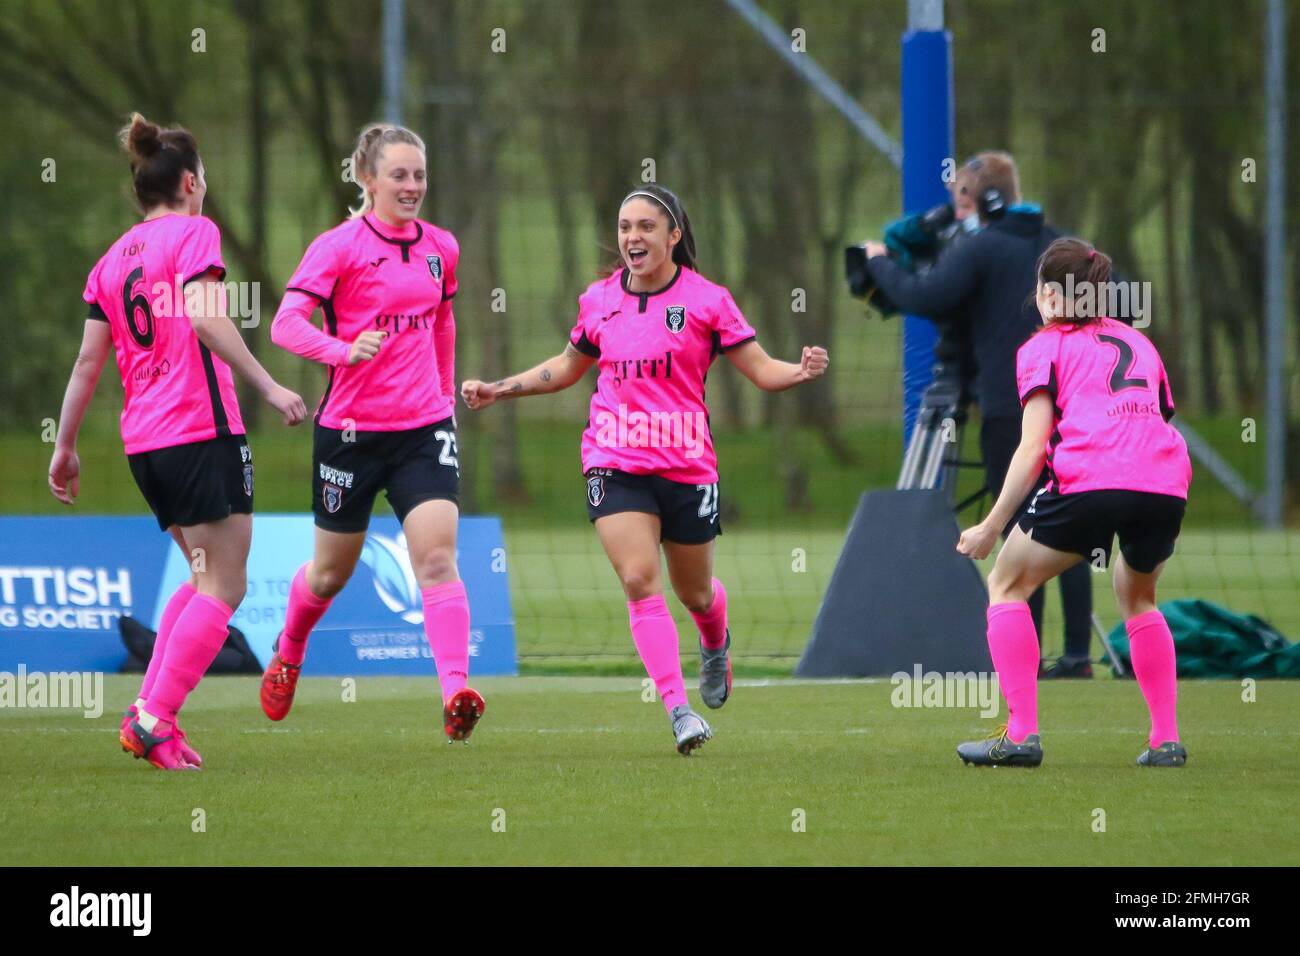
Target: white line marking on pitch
733,732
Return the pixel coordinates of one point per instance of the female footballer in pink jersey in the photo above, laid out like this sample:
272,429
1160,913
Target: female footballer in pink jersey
384,280
1097,407
654,326
180,420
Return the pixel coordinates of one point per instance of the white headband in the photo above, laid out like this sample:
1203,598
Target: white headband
671,217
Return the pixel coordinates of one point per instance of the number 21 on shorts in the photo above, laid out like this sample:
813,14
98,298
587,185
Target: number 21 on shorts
709,502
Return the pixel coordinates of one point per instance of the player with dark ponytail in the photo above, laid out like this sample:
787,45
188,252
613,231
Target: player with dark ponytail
1097,405
180,419
654,325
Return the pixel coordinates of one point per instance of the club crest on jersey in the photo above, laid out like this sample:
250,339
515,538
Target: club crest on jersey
332,495
675,318
595,491
435,266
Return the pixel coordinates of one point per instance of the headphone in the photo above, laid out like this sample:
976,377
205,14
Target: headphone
990,203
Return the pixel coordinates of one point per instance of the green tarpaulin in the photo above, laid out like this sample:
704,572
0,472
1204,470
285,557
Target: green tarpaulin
1212,641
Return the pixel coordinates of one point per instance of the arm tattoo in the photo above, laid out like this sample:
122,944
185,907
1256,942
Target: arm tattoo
546,375
570,352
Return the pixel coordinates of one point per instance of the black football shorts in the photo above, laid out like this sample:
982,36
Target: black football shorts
410,467
688,513
193,484
1087,522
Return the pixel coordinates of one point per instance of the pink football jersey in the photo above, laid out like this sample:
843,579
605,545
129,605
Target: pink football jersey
648,414
177,391
371,277
1113,405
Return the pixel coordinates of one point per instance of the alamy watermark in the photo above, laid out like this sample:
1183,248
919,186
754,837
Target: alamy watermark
235,300
1116,300
129,910
82,691
949,689
637,429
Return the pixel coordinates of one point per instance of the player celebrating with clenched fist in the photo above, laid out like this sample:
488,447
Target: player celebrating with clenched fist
384,280
654,326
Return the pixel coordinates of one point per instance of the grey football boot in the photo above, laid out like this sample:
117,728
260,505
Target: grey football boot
715,674
998,750
689,729
1169,754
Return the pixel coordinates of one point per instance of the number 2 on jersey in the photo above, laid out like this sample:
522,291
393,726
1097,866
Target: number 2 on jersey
1119,379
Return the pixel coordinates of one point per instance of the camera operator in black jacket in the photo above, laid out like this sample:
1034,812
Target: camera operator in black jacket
988,282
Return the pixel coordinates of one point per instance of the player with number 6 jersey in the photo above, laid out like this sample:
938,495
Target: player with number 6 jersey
176,390
654,326
157,300
384,282
1097,405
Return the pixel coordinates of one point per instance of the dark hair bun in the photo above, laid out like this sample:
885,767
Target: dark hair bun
160,157
141,138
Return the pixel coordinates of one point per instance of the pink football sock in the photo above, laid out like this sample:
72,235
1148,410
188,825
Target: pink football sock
304,611
446,624
197,636
655,634
1013,644
1151,648
180,597
713,622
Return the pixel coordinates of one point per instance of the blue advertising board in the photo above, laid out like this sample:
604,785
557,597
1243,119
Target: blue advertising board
65,582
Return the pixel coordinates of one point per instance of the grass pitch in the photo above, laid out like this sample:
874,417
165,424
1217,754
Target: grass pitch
582,771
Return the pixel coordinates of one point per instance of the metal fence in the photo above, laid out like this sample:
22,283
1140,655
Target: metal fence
540,115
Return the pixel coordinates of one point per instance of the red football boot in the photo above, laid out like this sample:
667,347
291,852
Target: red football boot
461,713
278,686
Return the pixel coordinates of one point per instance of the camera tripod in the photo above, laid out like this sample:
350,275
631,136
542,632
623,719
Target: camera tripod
933,453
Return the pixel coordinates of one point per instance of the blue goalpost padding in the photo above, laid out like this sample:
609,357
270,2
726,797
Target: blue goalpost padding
927,108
